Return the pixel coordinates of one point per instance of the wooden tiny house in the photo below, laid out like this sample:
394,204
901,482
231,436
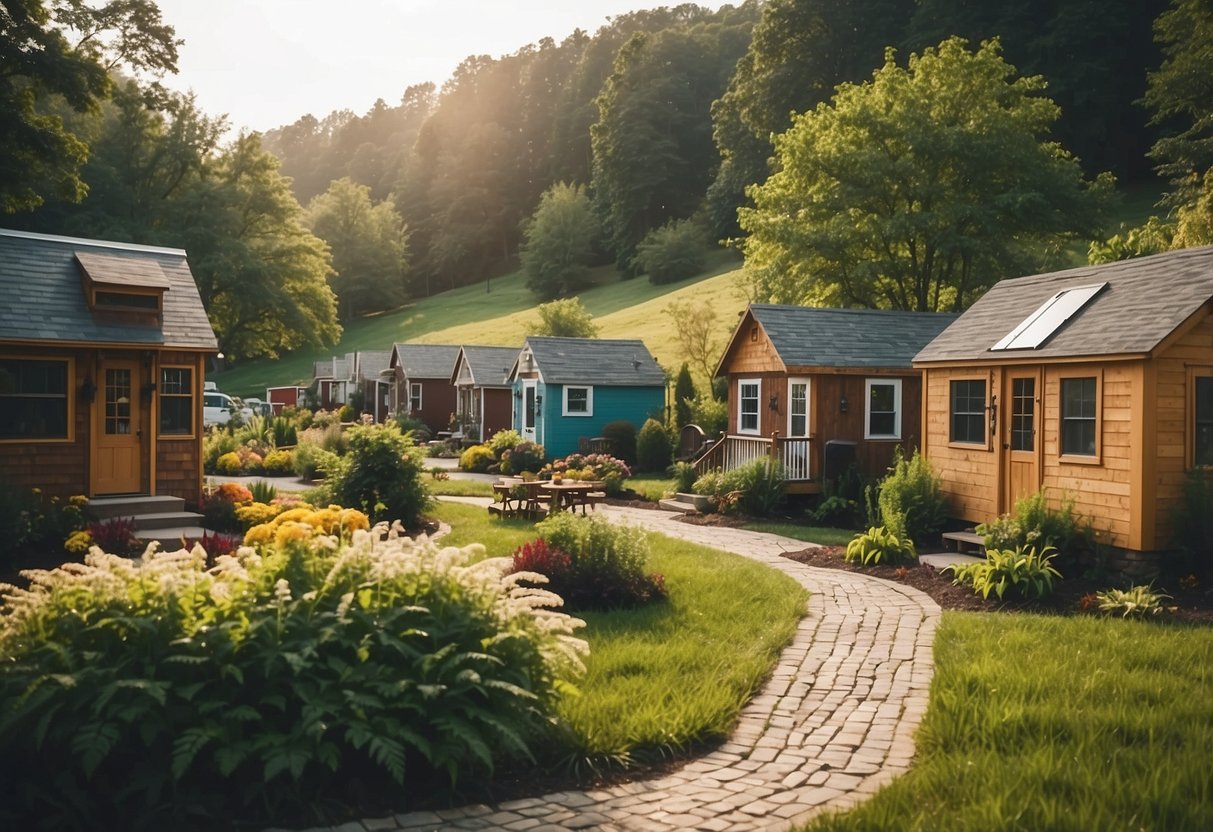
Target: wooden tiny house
1095,384
420,376
102,361
804,379
485,401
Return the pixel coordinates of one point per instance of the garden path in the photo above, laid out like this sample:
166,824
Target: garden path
834,723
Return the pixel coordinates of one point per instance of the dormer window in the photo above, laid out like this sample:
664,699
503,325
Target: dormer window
123,286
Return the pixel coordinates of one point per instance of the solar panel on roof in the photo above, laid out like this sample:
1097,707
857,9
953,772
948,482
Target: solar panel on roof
1035,329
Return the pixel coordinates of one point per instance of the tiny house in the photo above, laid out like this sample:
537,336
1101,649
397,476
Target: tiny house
103,350
567,389
420,376
819,389
1095,384
484,399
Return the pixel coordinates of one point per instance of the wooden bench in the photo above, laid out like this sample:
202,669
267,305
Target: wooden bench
966,541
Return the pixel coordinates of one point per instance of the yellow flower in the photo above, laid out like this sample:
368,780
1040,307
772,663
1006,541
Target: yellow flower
352,520
78,542
263,533
326,520
290,531
293,515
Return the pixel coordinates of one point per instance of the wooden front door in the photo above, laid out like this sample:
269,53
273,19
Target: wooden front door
118,434
1021,435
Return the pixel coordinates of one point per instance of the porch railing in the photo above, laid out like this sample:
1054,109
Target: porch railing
732,451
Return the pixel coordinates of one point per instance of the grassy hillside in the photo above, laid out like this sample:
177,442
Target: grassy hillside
500,312
501,315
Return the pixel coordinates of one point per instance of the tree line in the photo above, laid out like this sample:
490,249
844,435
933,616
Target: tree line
896,153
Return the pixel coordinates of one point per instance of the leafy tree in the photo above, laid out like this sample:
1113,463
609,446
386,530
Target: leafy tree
261,273
1180,92
653,150
684,395
367,243
918,189
695,326
565,318
800,51
1153,237
65,48
559,242
675,251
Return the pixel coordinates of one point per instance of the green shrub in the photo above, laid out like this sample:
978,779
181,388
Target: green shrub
684,477
311,461
606,562
284,432
1024,573
347,413
31,520
381,475
684,394
503,440
1193,518
710,413
278,463
1140,601
420,430
1035,524
621,436
880,547
673,252
525,456
654,450
714,484
762,484
263,492
215,444
911,501
260,692
477,458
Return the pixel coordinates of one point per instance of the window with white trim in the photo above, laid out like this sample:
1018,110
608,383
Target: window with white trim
1079,416
882,414
415,397
747,405
176,401
798,407
578,401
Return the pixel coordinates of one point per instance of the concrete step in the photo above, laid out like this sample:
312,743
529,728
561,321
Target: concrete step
166,520
103,508
966,541
672,504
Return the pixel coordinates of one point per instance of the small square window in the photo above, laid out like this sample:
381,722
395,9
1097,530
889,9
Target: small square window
968,411
578,401
883,415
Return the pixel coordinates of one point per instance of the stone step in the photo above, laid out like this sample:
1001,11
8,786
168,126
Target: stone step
966,541
103,508
166,520
672,504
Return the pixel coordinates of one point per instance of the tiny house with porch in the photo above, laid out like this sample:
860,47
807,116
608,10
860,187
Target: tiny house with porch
103,350
484,399
1094,384
821,389
567,389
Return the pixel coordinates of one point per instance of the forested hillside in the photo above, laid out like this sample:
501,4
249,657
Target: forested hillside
940,164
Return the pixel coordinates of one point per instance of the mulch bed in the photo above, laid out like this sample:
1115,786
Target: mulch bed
1192,604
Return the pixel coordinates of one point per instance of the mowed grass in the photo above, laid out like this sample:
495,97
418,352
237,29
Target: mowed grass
672,674
502,316
824,535
1044,722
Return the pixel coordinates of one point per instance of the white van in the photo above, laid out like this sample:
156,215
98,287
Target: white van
217,409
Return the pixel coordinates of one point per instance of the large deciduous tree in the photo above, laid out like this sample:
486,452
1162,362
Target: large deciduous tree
368,246
918,189
565,318
62,51
559,242
1180,93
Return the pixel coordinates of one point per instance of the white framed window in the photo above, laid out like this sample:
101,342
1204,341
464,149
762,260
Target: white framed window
798,407
882,414
748,390
578,401
415,397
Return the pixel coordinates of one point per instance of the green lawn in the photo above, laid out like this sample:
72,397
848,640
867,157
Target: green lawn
670,674
1044,722
824,535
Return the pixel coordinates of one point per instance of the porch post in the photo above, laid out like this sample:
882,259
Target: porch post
775,446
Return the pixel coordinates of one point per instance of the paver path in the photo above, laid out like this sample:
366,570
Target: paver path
835,722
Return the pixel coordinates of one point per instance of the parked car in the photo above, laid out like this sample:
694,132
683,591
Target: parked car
258,407
220,408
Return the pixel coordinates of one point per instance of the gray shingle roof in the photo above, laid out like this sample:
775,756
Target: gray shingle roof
806,336
425,360
489,366
1145,300
42,299
611,363
371,363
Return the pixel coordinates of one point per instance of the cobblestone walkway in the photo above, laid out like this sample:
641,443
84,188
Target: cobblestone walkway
835,722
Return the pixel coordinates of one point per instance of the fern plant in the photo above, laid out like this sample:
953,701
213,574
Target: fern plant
880,547
1023,572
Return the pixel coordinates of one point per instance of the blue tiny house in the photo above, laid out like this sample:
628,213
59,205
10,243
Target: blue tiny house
567,389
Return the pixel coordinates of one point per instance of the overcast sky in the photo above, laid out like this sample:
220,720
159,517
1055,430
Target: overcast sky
265,63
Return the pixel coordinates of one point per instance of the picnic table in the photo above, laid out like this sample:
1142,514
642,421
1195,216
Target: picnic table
517,498
570,494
